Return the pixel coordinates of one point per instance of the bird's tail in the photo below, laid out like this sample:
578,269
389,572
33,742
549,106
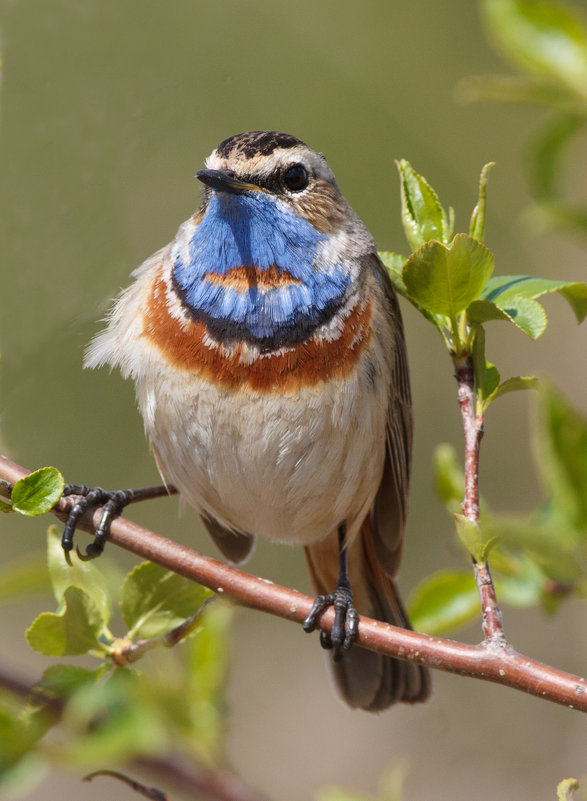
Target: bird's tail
364,679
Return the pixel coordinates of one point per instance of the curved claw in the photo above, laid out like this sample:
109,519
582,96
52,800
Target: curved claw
321,602
352,627
113,502
91,552
346,620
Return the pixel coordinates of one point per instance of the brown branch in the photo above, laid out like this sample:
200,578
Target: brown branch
473,427
491,661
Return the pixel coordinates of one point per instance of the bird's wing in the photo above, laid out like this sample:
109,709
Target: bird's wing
391,502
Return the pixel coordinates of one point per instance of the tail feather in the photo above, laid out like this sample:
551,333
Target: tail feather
364,679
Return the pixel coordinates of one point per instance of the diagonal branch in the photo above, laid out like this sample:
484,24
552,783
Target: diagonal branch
490,661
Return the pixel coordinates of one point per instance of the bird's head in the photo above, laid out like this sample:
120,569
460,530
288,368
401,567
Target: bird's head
278,169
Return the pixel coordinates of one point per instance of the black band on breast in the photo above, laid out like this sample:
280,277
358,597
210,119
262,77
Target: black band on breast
231,332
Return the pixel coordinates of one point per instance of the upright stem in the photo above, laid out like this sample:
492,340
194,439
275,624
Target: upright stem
473,430
473,426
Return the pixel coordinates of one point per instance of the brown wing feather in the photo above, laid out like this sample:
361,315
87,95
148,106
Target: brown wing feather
234,545
391,503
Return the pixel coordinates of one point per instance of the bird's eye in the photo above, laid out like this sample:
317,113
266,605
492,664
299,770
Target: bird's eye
296,178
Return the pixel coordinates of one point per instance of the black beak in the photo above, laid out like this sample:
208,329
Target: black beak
224,182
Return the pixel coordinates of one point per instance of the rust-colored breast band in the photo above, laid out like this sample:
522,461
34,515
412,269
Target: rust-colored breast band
183,344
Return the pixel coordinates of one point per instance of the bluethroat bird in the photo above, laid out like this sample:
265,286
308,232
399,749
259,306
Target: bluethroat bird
268,353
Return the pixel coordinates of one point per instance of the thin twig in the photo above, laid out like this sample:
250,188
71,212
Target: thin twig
128,652
473,427
473,430
148,792
500,664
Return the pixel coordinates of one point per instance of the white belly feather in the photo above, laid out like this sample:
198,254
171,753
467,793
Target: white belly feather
290,468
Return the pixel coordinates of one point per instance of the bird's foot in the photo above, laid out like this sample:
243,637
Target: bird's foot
112,501
346,619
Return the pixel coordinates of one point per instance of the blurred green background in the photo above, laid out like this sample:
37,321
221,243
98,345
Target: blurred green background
107,111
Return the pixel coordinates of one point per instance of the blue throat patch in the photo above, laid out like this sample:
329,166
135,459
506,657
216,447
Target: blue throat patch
256,230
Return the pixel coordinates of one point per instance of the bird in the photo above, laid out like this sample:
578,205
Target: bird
267,349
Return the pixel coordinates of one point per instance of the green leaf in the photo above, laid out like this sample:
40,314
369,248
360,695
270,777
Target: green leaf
519,580
514,384
543,38
527,315
470,535
422,214
489,387
6,507
208,660
450,481
506,289
565,790
113,720
75,629
19,733
38,492
207,667
393,263
62,681
560,445
451,224
84,575
487,376
155,600
445,280
551,545
477,225
444,601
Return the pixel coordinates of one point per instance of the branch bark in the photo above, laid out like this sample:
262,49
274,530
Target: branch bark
473,427
491,661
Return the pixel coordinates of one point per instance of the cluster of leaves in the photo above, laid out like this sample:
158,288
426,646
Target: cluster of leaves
538,559
110,712
449,279
546,42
